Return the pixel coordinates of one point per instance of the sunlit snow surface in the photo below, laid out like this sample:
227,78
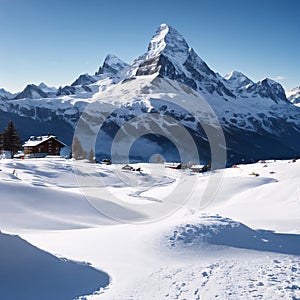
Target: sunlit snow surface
243,245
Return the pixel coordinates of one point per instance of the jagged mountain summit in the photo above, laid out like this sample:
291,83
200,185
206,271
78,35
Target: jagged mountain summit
111,66
294,95
238,81
5,94
268,88
257,119
47,89
170,56
32,91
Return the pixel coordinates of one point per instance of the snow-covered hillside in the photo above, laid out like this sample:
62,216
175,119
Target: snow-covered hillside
257,119
152,236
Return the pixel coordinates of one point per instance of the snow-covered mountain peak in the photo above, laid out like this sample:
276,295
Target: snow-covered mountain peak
296,89
84,79
31,91
169,42
268,88
112,65
5,94
112,59
236,76
231,75
47,89
294,95
170,56
237,80
270,82
43,85
274,85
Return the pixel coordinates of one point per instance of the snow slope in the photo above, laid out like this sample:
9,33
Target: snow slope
30,273
254,129
242,244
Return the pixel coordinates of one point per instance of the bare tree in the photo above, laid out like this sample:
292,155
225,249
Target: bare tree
77,150
92,156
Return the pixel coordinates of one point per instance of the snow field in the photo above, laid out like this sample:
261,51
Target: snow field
243,245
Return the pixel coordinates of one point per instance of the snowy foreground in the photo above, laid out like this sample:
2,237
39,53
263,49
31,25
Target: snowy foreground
116,234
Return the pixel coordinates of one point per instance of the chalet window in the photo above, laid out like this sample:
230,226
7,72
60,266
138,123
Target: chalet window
39,149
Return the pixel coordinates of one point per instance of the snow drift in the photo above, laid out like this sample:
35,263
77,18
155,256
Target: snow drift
217,230
30,273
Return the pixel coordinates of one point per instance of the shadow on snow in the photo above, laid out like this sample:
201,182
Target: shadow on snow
30,273
217,230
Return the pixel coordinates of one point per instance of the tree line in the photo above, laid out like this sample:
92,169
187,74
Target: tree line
10,140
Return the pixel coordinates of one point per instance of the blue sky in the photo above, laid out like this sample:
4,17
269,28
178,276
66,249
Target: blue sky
55,41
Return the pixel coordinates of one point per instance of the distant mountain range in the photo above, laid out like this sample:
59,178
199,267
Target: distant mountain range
259,119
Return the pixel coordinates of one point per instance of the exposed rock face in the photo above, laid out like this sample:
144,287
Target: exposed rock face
31,91
111,66
268,88
84,79
67,90
257,119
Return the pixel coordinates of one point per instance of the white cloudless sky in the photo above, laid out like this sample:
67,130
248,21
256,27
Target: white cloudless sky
56,41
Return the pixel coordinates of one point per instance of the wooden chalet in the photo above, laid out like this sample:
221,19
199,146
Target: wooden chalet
199,168
106,161
41,146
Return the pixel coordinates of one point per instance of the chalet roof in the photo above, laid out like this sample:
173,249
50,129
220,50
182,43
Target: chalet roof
172,164
127,167
37,140
197,166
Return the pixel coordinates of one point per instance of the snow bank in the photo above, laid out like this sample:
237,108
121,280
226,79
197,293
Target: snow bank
30,273
217,230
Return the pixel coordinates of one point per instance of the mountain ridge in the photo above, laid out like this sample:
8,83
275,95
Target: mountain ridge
167,48
256,115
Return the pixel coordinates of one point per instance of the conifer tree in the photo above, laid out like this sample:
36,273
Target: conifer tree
1,142
11,140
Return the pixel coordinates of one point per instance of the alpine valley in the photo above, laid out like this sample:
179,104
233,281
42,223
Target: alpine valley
170,79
